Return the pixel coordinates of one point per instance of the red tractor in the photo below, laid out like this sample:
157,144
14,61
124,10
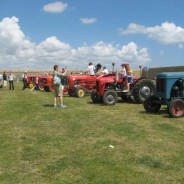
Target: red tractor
110,87
46,83
81,84
32,81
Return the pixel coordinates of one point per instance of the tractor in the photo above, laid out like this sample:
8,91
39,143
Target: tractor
32,81
81,84
46,83
110,87
169,92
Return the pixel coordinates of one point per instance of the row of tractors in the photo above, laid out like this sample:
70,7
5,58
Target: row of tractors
167,89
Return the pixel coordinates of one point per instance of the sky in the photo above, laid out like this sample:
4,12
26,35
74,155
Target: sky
37,34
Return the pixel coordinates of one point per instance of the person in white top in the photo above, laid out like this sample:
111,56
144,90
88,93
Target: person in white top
105,71
11,77
91,69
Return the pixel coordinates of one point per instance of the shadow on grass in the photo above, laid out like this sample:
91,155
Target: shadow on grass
48,105
99,104
162,112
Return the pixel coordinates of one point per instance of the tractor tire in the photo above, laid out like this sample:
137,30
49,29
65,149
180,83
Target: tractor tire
110,97
31,85
143,89
71,92
80,92
176,108
41,86
94,97
126,98
51,88
150,104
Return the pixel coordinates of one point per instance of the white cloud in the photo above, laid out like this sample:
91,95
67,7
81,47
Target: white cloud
167,33
56,7
88,20
18,52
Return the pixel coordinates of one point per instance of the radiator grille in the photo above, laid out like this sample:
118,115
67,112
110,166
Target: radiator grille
160,85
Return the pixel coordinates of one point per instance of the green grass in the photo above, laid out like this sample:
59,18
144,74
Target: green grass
40,144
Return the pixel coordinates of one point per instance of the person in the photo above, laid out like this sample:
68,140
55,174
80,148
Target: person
90,69
24,80
105,71
4,80
58,87
123,75
11,77
130,76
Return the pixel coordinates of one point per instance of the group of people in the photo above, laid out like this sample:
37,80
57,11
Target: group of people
127,76
10,77
92,70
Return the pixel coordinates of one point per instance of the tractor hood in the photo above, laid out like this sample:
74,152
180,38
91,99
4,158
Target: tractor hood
80,77
171,75
107,78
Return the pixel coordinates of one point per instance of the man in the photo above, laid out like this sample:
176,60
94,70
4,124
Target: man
24,80
105,71
90,69
4,80
58,86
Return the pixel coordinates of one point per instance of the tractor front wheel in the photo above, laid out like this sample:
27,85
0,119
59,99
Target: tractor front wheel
176,108
94,97
31,85
80,93
151,104
110,97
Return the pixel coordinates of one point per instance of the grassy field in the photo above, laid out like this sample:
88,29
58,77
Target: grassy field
41,144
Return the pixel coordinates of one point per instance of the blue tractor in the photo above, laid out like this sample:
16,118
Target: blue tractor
169,92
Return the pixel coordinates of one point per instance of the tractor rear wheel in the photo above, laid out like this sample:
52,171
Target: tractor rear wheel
143,89
41,86
176,108
150,104
79,91
110,97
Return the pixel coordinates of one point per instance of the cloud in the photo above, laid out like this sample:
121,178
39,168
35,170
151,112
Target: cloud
18,52
56,7
167,33
88,20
